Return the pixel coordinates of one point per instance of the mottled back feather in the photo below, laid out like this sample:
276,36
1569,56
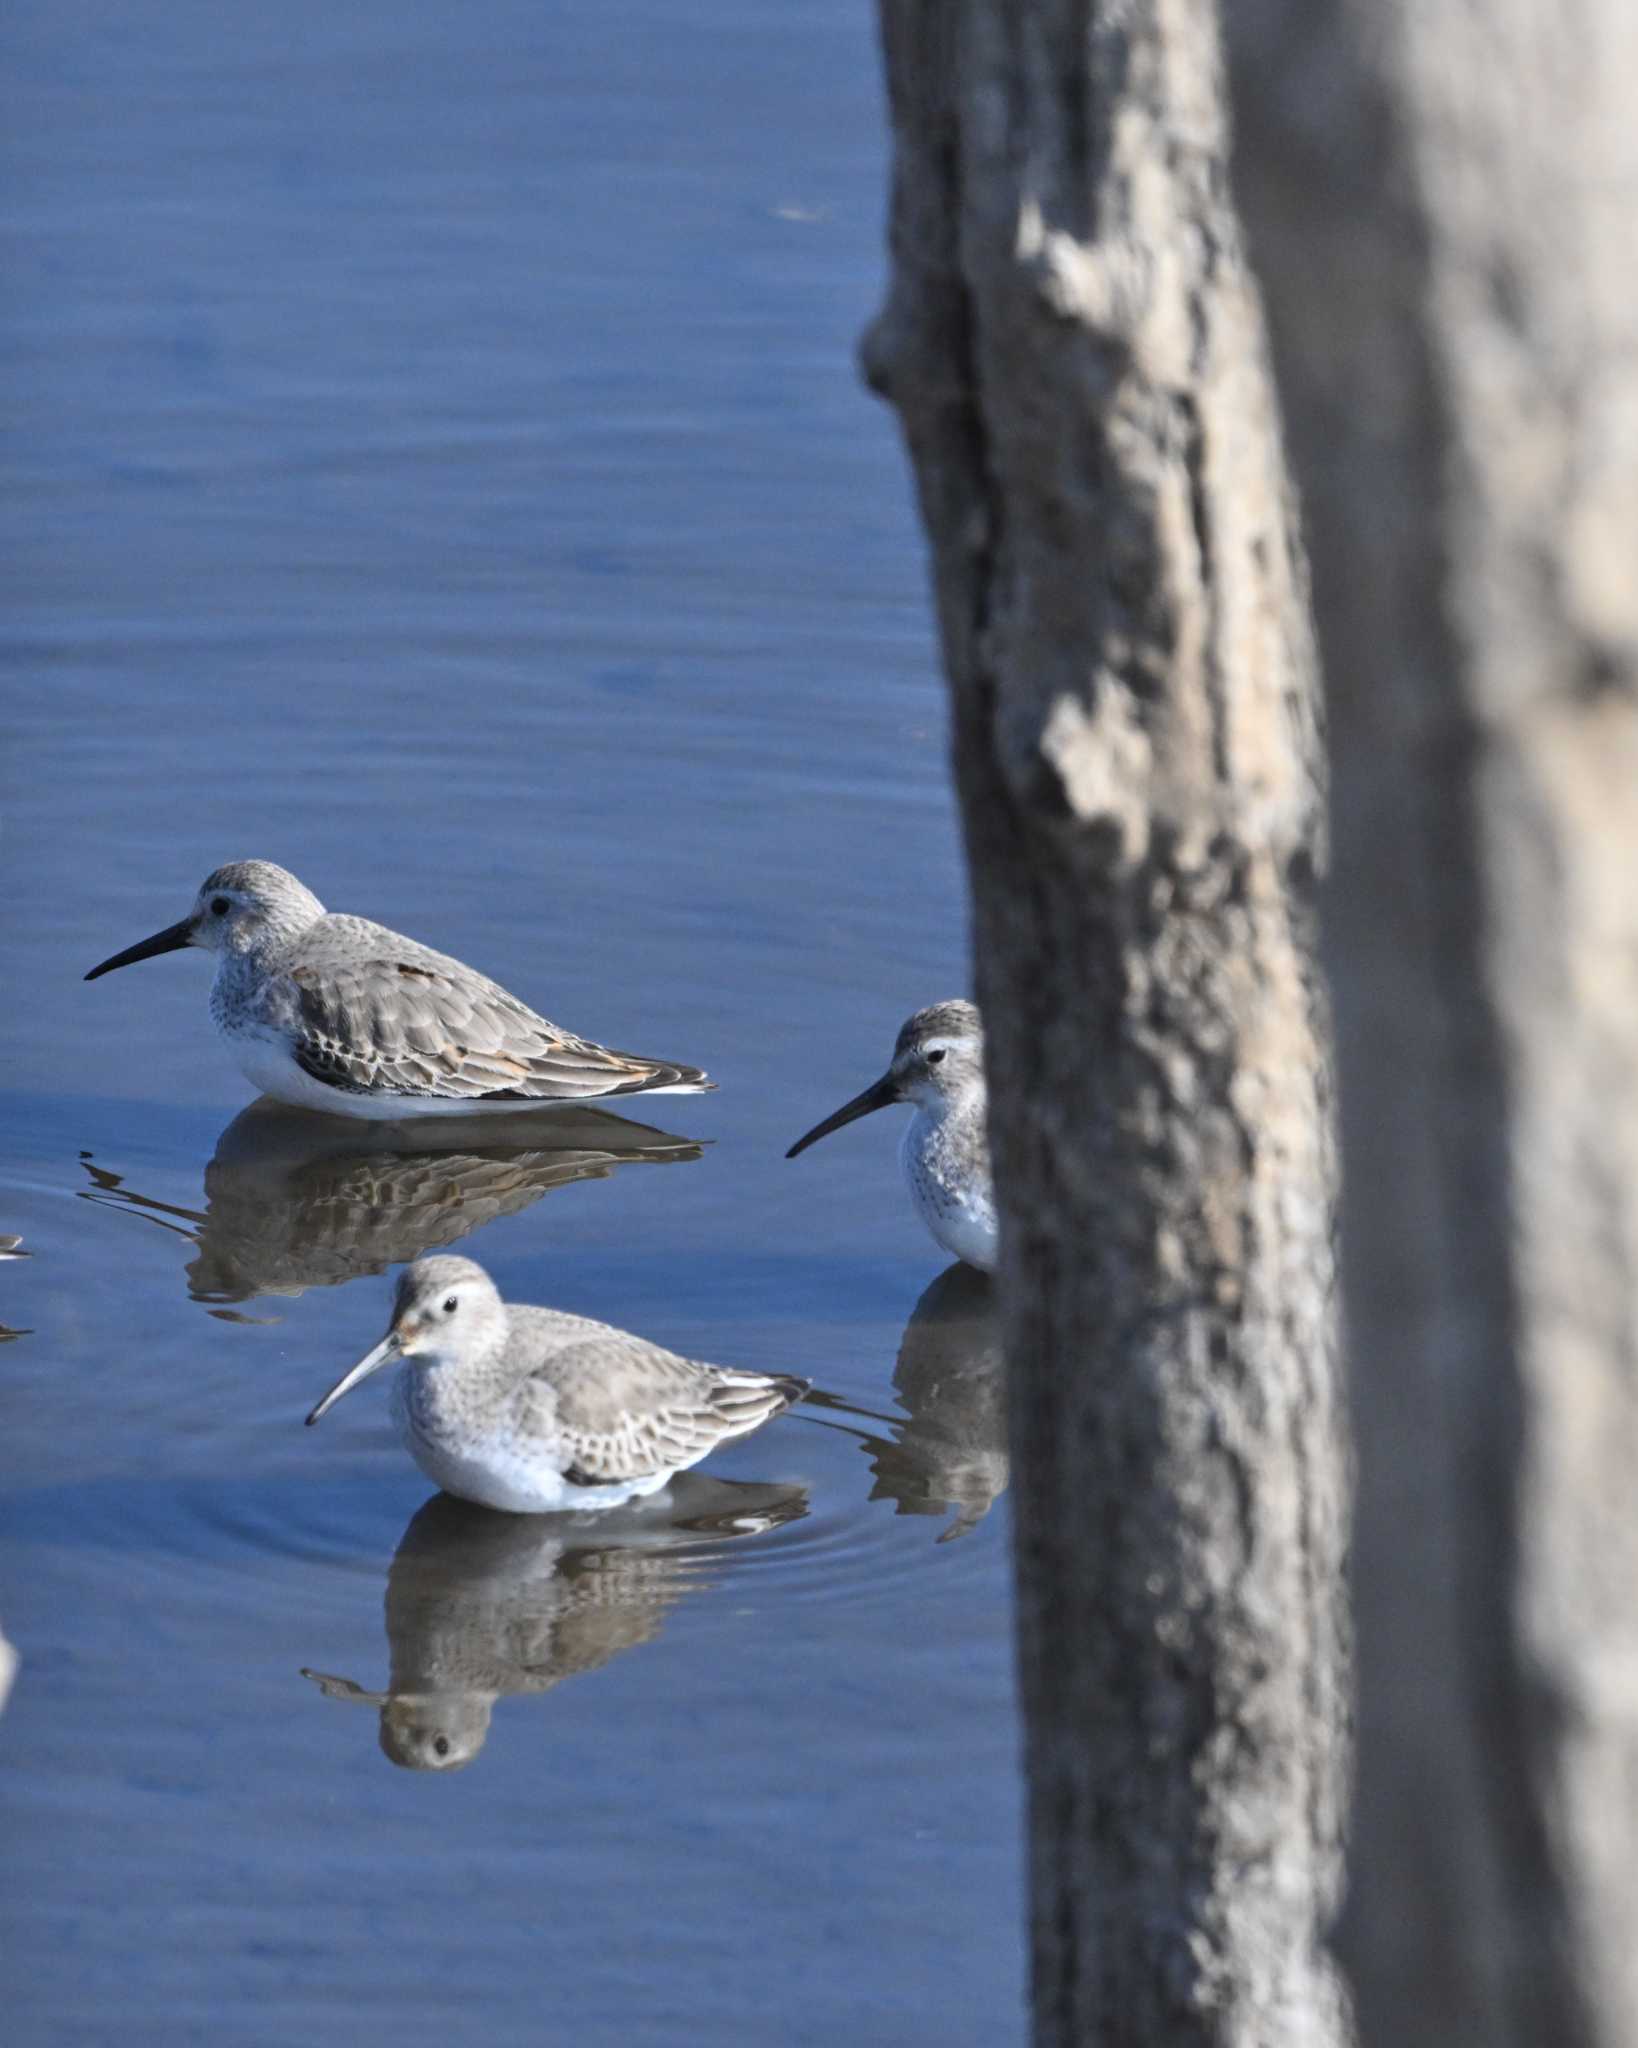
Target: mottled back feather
623,1408
375,1013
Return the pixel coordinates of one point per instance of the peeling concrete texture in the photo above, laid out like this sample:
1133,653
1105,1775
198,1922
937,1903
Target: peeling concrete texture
1443,198
1075,348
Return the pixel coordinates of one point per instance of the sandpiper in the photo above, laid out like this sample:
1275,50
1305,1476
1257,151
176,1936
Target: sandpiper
938,1064
336,1013
534,1410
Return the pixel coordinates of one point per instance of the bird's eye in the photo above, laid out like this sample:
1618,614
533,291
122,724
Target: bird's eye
219,906
441,1745
934,1057
451,1304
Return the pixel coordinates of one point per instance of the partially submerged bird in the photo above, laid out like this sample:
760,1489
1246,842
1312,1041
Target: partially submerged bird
535,1410
336,1013
938,1065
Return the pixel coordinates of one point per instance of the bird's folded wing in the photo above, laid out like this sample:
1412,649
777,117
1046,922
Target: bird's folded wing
398,1027
622,1409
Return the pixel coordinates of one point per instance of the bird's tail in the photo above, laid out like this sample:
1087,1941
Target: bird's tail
746,1400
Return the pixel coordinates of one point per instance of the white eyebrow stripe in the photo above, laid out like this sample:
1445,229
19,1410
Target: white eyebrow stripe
944,1044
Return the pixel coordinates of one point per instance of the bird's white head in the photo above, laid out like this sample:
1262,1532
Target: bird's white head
938,1059
241,908
446,1309
939,1055
445,1304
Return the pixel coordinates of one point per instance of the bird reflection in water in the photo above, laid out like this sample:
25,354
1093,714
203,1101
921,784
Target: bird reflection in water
294,1200
11,1247
948,1453
482,1605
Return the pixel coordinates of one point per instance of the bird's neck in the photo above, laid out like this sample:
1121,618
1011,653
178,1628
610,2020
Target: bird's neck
951,1132
445,1389
954,1112
238,977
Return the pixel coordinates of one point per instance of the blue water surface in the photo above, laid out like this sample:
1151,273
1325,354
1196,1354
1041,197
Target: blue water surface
435,461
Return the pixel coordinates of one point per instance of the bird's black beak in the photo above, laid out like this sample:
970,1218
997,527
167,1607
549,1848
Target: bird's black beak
170,940
390,1347
877,1096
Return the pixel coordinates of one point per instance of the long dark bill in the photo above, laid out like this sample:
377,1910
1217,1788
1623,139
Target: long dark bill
170,940
877,1096
372,1361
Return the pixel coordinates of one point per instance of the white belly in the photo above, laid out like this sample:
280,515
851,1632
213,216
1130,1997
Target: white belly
967,1231
958,1208
266,1063
497,1474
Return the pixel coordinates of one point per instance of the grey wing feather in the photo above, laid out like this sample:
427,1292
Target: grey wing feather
624,1409
375,1013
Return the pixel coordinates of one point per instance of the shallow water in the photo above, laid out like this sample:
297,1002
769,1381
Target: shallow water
435,462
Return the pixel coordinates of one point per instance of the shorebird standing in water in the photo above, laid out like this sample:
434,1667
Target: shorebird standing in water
336,1013
938,1065
535,1410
